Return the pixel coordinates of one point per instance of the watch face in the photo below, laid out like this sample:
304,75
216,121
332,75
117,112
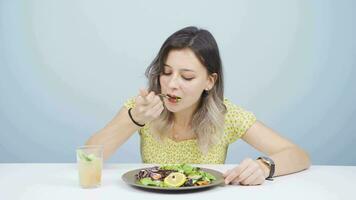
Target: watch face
267,161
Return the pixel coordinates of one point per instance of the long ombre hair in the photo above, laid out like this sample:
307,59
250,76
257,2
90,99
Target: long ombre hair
208,119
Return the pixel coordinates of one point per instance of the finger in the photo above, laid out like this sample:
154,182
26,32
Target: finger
227,173
152,100
252,179
235,182
247,172
143,92
158,112
158,105
235,173
258,181
238,170
150,96
156,100
140,100
155,108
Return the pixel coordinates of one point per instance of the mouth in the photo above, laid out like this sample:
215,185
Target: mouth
173,98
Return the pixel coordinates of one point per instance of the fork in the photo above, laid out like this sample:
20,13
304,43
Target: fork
163,95
166,96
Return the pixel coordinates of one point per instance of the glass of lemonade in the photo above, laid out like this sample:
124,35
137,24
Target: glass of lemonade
90,162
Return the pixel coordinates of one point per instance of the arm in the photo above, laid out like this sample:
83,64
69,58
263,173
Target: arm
114,134
148,106
288,157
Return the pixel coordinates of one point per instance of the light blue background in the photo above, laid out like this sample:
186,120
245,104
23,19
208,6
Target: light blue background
67,66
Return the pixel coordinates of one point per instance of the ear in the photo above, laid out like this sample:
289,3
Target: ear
211,80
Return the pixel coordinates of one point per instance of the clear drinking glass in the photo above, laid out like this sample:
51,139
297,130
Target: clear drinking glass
90,164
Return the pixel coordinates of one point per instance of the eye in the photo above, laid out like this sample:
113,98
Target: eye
166,73
188,78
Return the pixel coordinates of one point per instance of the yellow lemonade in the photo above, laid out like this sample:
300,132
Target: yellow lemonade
90,173
90,162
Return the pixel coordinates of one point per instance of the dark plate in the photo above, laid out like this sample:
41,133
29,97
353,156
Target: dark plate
129,178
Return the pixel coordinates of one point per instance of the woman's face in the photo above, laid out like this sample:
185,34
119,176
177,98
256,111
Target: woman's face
184,76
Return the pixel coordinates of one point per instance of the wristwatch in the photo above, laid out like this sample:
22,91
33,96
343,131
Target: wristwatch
270,163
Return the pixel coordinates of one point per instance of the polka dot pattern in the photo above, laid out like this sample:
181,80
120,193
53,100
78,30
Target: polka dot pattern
168,151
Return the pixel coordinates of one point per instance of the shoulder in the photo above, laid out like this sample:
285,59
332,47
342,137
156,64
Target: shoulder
237,117
237,121
234,109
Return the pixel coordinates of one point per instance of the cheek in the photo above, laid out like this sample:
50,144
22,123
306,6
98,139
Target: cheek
163,81
192,90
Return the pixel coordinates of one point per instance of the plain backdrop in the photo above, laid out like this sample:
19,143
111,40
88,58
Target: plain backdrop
67,67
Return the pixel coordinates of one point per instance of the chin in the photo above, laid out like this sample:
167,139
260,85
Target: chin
173,110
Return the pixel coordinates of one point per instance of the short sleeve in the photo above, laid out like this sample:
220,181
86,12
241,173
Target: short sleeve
130,103
237,121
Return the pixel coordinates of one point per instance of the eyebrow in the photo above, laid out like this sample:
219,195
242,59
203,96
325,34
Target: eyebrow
183,69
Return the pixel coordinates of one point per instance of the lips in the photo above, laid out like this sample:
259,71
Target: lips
173,98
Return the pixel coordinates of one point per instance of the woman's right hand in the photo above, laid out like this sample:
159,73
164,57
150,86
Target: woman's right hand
148,107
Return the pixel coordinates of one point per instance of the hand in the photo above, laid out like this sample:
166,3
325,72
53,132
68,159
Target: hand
249,172
148,106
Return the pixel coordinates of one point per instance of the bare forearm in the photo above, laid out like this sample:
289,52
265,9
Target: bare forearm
113,135
290,160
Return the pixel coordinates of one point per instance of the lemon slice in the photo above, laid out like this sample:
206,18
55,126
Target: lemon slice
175,179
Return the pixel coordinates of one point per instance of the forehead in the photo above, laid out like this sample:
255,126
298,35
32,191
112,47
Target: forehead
184,59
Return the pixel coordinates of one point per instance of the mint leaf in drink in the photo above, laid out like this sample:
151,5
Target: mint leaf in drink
83,156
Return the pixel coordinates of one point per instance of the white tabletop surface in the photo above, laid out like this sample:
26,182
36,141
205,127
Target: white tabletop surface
60,181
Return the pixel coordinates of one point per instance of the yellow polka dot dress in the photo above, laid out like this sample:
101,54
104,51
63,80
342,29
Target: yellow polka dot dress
237,121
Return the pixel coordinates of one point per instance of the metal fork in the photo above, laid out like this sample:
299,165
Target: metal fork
163,95
166,96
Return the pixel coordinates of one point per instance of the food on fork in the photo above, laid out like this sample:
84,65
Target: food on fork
171,97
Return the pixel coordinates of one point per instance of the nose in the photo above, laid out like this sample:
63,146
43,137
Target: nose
173,82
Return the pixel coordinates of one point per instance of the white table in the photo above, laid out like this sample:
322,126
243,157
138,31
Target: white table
60,181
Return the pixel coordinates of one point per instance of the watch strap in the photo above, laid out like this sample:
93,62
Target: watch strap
271,165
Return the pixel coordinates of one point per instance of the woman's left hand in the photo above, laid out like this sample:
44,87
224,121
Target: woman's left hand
249,172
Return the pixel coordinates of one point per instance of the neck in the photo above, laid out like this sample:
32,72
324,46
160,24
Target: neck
183,118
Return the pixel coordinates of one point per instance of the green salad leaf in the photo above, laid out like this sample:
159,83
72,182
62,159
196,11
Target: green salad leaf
149,181
194,175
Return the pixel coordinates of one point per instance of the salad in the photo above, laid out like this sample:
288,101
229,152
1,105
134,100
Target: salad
182,175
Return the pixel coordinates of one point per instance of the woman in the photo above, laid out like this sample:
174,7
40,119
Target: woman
184,117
